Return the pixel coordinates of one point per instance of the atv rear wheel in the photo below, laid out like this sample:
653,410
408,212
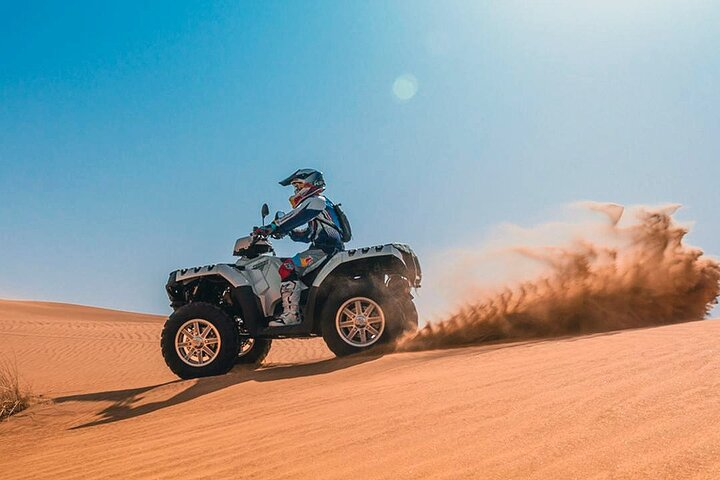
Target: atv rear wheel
398,287
199,340
253,351
410,317
358,317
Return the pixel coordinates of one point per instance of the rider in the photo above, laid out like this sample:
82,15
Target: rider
323,232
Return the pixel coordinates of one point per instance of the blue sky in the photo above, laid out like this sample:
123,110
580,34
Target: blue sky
139,137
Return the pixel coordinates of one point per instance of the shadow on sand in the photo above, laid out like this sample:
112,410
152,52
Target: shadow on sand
124,401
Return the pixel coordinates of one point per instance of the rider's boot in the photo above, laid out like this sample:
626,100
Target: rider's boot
290,294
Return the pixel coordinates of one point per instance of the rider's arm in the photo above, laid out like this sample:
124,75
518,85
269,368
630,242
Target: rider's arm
300,235
308,209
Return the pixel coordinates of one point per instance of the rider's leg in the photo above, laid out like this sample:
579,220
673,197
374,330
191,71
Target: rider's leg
291,271
290,294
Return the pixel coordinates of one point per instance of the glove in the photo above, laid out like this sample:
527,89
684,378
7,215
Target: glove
265,230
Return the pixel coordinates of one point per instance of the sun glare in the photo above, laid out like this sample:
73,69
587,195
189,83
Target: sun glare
405,87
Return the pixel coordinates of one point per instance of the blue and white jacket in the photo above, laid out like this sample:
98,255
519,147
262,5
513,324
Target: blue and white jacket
323,226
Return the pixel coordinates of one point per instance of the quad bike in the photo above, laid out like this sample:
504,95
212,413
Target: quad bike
355,299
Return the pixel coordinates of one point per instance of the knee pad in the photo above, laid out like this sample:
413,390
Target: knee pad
287,270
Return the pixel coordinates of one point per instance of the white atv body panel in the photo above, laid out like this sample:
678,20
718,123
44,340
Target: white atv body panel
261,273
228,272
356,254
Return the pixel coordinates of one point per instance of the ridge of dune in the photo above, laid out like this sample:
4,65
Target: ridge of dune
64,348
626,404
35,308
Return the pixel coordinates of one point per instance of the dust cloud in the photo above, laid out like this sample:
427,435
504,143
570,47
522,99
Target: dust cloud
636,273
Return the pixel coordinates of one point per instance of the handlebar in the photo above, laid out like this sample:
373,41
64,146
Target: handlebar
257,236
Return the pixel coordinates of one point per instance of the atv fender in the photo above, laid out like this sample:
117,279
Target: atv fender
228,272
381,259
392,253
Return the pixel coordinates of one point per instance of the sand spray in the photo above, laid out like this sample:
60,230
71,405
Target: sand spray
627,268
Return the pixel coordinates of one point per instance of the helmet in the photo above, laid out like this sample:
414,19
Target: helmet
307,182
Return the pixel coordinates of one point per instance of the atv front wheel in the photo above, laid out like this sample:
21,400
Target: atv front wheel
199,340
357,317
253,351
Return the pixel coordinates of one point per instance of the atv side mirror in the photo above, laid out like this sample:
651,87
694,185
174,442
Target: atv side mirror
279,214
264,211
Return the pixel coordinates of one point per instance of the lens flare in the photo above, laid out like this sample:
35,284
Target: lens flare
405,87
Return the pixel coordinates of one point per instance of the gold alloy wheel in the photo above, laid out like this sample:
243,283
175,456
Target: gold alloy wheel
197,342
360,322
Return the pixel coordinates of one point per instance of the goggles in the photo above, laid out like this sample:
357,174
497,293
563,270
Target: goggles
298,184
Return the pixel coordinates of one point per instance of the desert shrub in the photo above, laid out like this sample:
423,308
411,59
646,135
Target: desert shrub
13,398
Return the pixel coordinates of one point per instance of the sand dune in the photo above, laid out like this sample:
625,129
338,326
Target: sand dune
630,404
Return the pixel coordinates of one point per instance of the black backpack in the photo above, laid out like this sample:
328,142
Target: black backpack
345,229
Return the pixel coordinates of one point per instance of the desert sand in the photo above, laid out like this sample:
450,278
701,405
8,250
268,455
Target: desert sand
634,404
